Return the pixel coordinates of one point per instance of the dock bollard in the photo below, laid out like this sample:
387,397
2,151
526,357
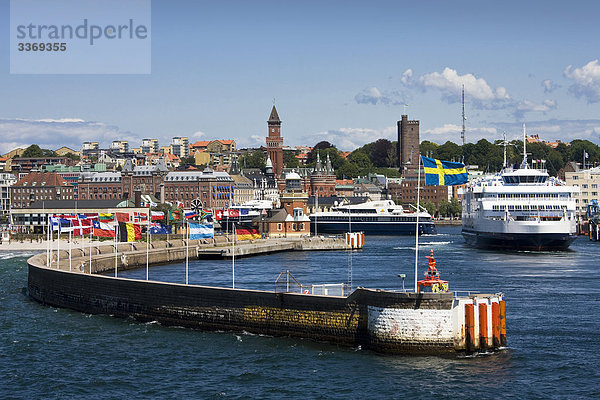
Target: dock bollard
495,325
502,322
470,327
483,326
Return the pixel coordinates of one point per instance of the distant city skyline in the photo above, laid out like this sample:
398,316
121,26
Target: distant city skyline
337,71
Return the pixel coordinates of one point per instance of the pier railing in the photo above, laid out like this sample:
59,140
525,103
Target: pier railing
287,283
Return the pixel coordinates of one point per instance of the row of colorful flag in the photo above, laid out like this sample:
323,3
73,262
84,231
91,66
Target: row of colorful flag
207,231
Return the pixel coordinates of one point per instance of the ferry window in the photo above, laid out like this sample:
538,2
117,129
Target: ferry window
594,186
584,186
594,193
575,177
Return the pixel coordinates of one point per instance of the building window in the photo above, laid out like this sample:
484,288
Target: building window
279,227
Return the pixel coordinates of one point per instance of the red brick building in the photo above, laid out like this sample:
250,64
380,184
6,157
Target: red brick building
37,186
290,220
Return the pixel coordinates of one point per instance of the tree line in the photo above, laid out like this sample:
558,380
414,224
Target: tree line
381,157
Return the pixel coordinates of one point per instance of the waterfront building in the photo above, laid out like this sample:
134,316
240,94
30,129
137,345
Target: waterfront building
291,220
588,182
26,164
215,189
6,181
40,186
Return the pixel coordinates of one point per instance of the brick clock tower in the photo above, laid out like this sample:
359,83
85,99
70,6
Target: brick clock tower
275,142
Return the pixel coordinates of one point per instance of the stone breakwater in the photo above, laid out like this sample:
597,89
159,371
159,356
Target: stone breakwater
384,321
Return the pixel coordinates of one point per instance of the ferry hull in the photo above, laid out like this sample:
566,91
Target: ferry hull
371,228
519,241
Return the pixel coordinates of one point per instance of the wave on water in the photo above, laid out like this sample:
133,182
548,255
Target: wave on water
421,245
11,255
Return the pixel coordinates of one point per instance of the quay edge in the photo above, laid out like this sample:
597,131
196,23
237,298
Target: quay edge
383,321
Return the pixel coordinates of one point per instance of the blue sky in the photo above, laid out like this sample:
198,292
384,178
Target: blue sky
338,70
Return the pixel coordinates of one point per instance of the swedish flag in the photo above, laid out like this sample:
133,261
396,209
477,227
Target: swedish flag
445,173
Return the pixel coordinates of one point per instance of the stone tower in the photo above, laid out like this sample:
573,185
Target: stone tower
275,142
408,144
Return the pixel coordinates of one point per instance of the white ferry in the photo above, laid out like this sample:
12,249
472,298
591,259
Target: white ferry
520,209
382,217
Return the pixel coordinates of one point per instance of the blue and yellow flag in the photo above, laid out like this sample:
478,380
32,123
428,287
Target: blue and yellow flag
445,173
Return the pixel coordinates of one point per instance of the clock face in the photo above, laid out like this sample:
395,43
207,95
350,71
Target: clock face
272,129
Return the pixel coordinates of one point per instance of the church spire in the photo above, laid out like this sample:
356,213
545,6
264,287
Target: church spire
274,117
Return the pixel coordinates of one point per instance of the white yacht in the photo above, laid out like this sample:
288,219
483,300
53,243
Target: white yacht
383,217
520,209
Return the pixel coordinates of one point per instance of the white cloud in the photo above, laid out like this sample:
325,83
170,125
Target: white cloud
198,135
373,95
443,130
407,77
451,132
54,133
477,90
526,106
251,141
549,85
586,81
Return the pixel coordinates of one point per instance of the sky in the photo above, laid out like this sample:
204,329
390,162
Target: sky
342,71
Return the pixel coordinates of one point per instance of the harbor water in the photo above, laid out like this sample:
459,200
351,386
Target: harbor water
552,319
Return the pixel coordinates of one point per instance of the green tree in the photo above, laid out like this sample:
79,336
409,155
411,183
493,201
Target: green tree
455,207
428,147
449,151
187,161
429,206
256,159
35,151
382,153
361,161
444,208
289,159
348,170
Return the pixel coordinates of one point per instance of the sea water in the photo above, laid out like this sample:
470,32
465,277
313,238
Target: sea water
552,317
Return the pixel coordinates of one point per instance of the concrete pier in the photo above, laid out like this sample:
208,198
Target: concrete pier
384,321
133,255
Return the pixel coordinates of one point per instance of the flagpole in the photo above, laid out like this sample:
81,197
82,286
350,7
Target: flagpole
116,250
187,253
91,233
417,227
47,242
70,249
58,245
233,259
147,244
50,244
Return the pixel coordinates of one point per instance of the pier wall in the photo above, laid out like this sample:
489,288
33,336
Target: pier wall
385,321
